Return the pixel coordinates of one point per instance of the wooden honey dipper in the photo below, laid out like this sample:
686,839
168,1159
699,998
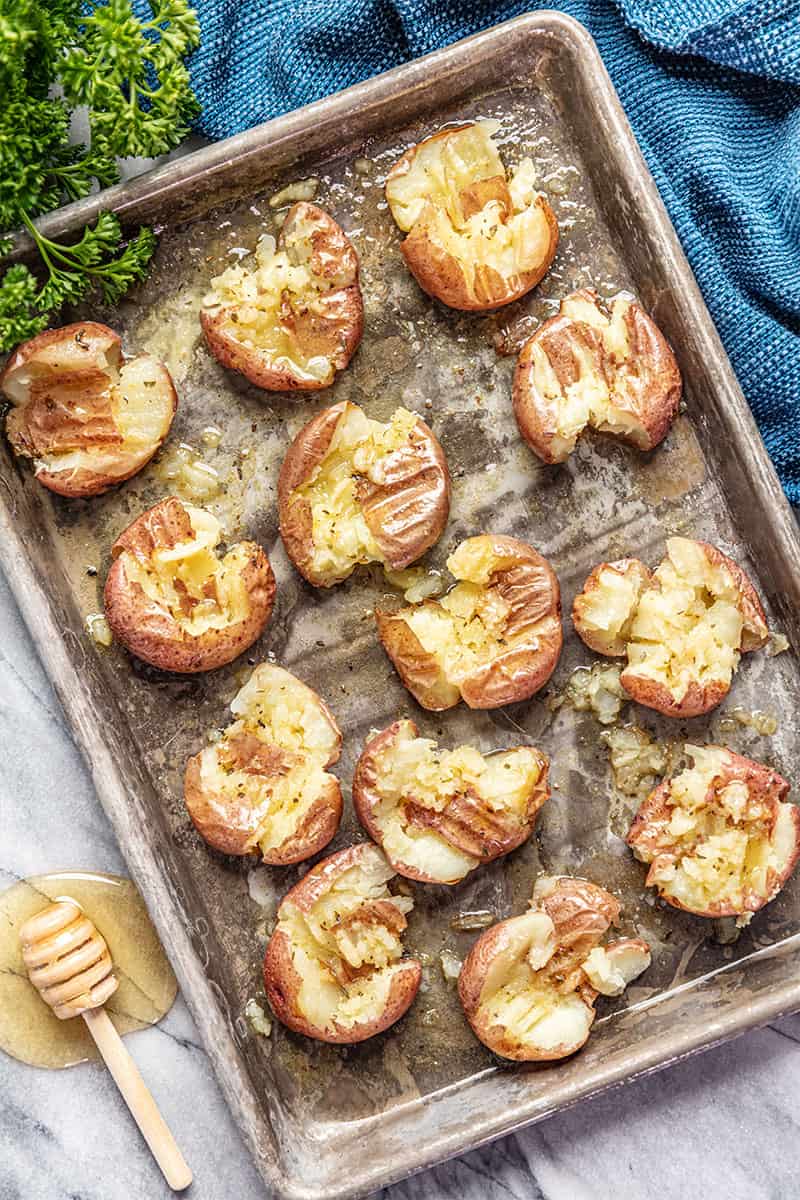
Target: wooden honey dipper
68,963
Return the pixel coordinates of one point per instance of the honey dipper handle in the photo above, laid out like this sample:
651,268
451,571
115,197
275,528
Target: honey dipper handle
138,1099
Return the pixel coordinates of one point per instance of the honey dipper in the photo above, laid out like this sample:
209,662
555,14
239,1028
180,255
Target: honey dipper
68,963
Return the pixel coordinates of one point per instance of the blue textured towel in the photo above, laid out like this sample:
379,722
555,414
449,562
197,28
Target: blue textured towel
710,87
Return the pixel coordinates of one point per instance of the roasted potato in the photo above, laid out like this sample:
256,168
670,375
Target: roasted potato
353,490
529,984
173,602
87,416
476,237
493,639
719,837
334,968
683,628
613,371
438,814
263,787
296,318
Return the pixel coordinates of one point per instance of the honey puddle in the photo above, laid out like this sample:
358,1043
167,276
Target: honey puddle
147,986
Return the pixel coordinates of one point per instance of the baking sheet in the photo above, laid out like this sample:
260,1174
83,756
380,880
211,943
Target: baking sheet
426,1089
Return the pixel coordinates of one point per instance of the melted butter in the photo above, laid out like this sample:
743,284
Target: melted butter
764,723
211,436
147,987
170,331
676,470
99,629
188,475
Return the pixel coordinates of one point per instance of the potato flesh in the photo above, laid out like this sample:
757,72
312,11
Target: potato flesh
279,710
689,629
192,569
531,986
433,188
717,847
255,297
610,970
599,396
289,797
346,965
523,1000
414,768
466,627
341,536
606,612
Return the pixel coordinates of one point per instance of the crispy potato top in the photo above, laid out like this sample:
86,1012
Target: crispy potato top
529,983
353,490
719,837
296,317
683,627
611,370
334,968
476,238
438,814
263,786
173,601
87,417
493,639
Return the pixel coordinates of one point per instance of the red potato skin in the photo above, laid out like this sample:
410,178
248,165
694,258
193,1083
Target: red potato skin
466,824
282,982
334,333
531,589
581,913
38,427
473,974
656,383
756,631
230,827
406,514
151,633
650,692
94,339
418,669
655,811
440,274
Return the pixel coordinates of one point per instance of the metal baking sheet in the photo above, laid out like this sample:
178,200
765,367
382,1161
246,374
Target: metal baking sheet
426,1089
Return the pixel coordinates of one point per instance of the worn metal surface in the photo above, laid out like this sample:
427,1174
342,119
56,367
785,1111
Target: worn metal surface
426,1089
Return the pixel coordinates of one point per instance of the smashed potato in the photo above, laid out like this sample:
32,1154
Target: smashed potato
263,787
438,814
476,237
353,490
584,367
334,968
529,984
683,628
87,416
493,639
173,602
297,317
719,837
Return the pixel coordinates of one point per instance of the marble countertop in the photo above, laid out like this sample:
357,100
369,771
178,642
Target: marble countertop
727,1119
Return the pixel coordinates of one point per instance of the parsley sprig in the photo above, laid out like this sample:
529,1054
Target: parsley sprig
131,76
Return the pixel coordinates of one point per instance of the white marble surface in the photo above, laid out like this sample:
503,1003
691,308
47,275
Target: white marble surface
722,1124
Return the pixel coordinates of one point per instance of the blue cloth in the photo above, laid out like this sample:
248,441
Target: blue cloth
710,87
